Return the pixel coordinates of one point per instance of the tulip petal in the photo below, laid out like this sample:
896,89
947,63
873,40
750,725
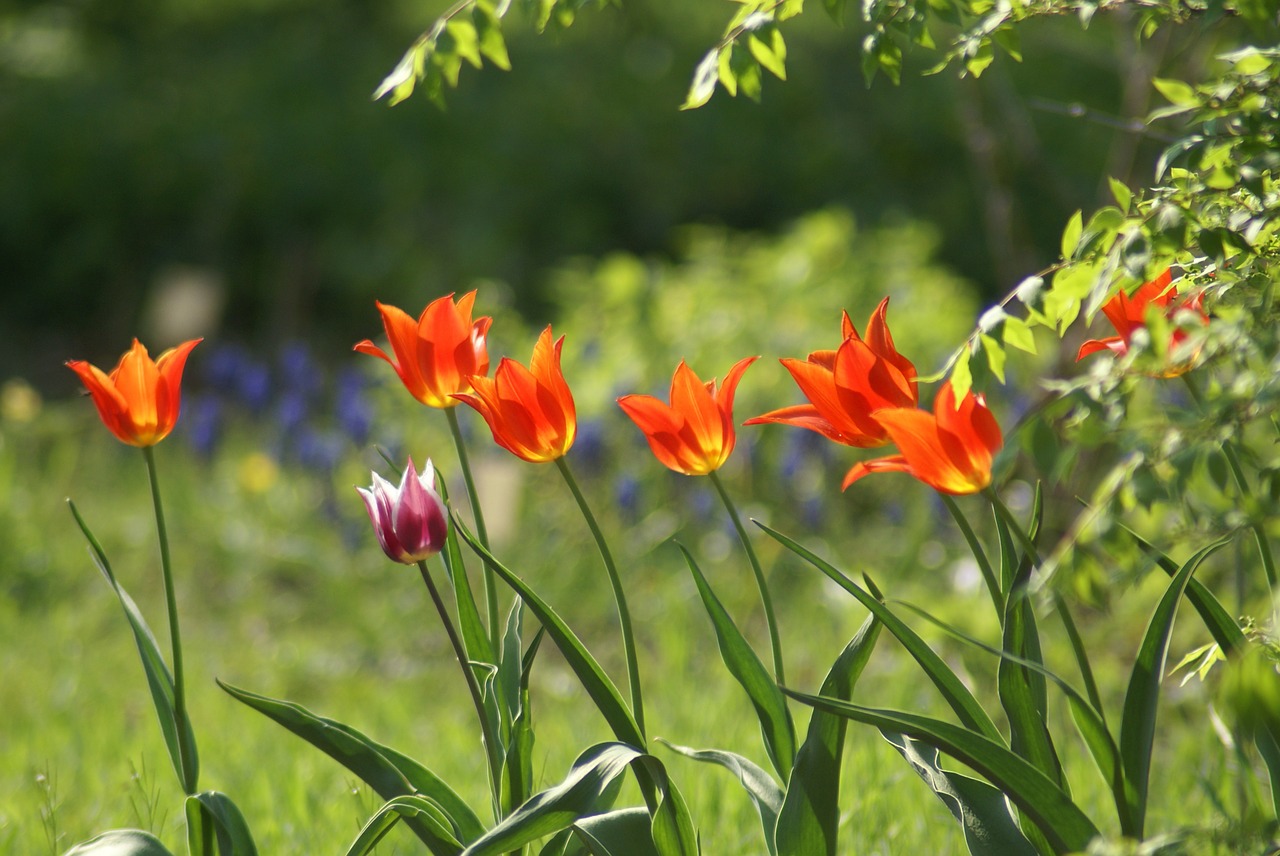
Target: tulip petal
801,416
887,464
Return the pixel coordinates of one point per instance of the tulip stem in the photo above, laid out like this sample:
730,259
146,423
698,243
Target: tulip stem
482,532
979,555
619,597
186,752
491,745
774,639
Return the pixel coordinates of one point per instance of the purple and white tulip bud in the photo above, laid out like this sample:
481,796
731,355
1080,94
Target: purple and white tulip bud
410,520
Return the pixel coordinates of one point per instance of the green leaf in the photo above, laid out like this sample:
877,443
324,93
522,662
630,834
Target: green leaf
475,636
489,33
213,818
159,679
121,842
388,772
957,695
672,827
1061,821
768,48
1123,195
808,823
1176,92
995,355
704,81
409,807
592,677
769,703
624,832
577,796
989,829
759,785
962,374
835,8
1141,701
1071,234
1017,334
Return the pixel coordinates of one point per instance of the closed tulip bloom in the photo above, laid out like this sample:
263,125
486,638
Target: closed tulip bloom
694,434
140,399
409,520
950,450
847,385
437,355
529,410
1128,314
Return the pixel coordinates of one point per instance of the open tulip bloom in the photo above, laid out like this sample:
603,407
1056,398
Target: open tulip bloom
950,450
410,520
140,399
847,385
437,355
693,434
529,410
1128,314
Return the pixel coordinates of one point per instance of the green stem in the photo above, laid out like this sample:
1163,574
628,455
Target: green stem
979,555
186,752
491,745
774,640
619,597
1237,474
490,585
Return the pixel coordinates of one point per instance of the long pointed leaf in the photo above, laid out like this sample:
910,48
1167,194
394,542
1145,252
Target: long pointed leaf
966,707
474,635
558,807
592,677
759,785
1141,701
989,828
420,810
159,679
810,814
617,833
769,702
1064,825
388,772
121,842
213,817
672,825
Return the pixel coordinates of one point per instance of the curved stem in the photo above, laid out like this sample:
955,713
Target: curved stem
186,751
473,686
619,597
1237,474
482,532
979,555
774,640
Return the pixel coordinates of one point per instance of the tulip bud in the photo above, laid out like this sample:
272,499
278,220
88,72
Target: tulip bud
409,520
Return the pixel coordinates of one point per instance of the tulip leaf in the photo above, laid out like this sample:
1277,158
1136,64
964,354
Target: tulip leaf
1063,824
957,695
121,842
759,785
579,795
474,635
810,816
159,679
624,832
769,702
1141,701
388,772
216,826
593,678
989,828
411,807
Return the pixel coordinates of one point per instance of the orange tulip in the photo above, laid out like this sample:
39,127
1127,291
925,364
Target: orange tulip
437,355
950,449
529,410
139,400
846,386
694,434
1129,313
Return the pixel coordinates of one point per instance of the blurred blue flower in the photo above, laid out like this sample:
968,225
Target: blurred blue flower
351,406
203,423
253,385
626,492
222,366
590,444
298,370
318,450
292,411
